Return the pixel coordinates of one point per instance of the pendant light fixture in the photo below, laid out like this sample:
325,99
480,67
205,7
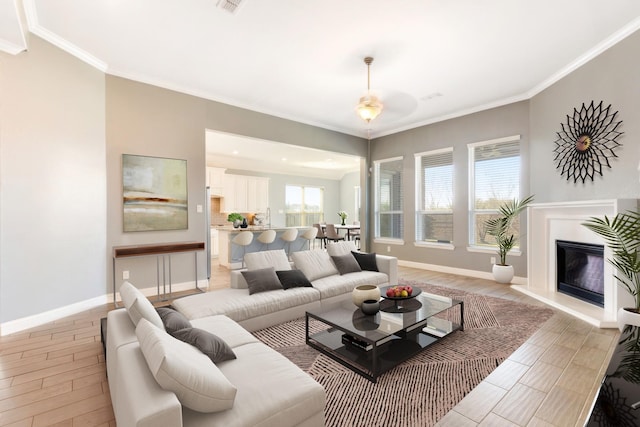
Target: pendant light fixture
370,106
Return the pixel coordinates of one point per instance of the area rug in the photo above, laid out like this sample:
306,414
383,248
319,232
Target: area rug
423,389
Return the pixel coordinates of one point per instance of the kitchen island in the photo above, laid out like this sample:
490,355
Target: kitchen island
230,254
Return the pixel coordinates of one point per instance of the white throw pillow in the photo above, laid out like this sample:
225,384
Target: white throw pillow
184,370
315,264
138,306
265,259
341,248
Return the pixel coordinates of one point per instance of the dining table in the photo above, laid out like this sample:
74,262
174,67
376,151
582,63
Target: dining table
348,227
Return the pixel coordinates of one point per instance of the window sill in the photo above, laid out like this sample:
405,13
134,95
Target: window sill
445,246
484,250
388,241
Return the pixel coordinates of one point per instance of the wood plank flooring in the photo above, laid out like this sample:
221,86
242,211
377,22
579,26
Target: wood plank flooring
55,375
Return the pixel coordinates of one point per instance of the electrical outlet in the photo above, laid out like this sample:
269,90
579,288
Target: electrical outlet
388,248
493,260
125,275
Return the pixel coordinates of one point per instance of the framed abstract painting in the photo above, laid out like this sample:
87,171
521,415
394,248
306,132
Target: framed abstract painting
154,193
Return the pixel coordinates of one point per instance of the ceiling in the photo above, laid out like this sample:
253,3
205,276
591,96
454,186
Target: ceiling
303,60
238,152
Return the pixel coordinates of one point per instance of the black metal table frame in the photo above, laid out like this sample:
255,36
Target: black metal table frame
402,334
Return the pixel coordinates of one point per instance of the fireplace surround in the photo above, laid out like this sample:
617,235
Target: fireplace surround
548,222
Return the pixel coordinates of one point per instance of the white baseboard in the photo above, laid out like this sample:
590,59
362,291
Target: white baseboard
28,322
459,271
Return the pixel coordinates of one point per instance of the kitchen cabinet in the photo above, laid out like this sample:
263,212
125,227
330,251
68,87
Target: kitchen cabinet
245,194
215,180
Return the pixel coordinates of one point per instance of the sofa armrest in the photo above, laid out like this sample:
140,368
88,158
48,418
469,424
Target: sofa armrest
140,401
389,266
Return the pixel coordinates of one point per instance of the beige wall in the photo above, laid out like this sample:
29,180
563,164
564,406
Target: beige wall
53,181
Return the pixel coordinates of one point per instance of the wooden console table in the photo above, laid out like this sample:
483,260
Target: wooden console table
160,251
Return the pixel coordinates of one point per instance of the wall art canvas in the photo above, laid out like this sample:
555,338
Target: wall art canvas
154,193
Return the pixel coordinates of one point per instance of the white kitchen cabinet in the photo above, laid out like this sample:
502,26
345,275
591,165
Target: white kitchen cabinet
245,194
215,180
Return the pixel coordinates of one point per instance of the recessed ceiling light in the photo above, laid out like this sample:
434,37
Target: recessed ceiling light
284,159
235,152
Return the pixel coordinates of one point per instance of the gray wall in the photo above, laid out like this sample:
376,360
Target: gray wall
52,169
147,120
612,77
499,122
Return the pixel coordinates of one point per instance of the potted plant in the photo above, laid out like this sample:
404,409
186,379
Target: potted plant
500,228
622,235
343,215
235,218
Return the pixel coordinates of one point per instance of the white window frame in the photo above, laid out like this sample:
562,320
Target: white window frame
419,195
303,213
377,238
473,247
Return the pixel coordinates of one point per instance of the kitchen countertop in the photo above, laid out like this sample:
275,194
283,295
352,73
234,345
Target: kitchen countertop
230,228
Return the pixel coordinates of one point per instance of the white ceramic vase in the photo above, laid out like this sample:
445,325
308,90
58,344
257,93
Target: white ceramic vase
502,273
365,292
626,317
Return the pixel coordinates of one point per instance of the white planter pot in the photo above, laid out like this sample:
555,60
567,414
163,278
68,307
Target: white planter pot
503,273
365,292
626,317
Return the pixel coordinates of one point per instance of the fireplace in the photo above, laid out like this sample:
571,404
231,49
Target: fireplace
580,270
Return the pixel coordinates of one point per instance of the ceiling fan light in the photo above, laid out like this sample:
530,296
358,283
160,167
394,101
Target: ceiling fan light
369,108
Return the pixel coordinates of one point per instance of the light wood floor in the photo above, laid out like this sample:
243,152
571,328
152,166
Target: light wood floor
54,375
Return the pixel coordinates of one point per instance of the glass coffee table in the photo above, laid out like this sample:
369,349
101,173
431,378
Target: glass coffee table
372,345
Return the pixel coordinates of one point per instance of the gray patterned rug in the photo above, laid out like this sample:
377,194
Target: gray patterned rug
423,389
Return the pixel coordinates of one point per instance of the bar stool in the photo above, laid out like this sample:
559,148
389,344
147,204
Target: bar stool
310,235
267,237
289,235
244,239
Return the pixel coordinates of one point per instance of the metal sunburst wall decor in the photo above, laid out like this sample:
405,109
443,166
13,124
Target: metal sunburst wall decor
586,142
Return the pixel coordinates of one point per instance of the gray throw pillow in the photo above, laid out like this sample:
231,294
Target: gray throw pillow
346,264
366,261
262,280
211,345
172,320
293,279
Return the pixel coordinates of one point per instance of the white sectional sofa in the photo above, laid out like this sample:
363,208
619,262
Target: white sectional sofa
259,310
156,380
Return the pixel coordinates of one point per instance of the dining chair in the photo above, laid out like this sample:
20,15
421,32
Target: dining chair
332,234
320,235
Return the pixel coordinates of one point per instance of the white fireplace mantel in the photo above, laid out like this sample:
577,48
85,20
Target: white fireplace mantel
548,222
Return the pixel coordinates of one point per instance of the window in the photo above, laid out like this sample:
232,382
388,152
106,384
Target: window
304,205
434,196
389,222
494,178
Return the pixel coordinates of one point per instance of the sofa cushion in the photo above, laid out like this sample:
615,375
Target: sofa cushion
332,286
172,320
210,344
346,264
366,261
228,330
264,259
341,248
138,306
262,280
238,305
184,370
314,264
293,279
